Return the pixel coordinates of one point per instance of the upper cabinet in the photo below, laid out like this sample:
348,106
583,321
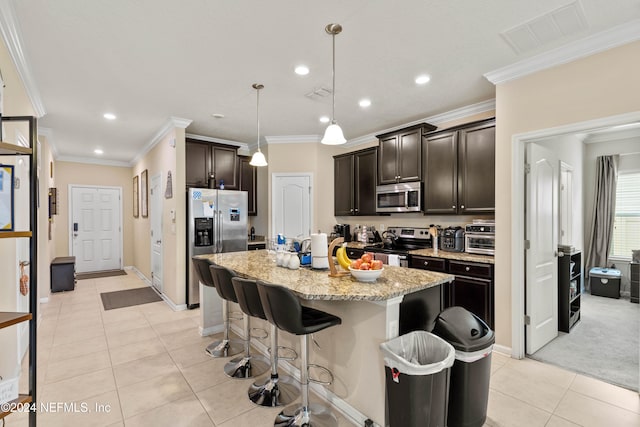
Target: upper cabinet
400,157
206,161
355,180
459,169
248,182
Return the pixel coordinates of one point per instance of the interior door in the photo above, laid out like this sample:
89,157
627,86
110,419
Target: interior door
291,204
541,293
155,219
96,230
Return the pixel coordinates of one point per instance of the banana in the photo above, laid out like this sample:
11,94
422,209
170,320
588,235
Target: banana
343,259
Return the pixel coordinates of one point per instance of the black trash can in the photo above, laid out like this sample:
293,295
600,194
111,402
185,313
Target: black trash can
417,368
471,371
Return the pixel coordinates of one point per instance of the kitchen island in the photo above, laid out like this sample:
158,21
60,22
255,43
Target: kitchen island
370,315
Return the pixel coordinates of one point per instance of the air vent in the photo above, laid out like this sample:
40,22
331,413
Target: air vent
317,93
542,30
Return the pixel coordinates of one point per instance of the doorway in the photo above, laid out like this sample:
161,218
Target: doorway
95,224
291,204
155,217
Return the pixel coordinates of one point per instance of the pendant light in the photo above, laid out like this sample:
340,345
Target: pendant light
258,158
333,134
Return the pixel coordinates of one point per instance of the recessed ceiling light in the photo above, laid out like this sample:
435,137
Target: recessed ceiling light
364,103
109,116
422,79
218,115
98,151
302,70
324,119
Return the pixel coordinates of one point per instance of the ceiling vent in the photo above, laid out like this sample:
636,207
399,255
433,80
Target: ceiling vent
552,26
317,93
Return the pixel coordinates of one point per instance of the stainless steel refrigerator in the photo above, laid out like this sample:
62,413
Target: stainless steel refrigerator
217,223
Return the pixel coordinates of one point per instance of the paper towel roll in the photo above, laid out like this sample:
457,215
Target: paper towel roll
319,245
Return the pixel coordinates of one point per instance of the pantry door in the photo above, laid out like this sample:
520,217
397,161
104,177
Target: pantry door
291,205
95,228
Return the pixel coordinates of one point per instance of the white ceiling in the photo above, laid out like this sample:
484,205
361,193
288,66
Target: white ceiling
149,60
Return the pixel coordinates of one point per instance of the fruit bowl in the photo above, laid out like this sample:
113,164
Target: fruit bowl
365,275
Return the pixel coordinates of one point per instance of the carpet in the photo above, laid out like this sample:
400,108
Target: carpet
98,274
604,344
129,297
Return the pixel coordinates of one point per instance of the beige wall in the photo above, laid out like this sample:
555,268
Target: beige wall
68,173
602,85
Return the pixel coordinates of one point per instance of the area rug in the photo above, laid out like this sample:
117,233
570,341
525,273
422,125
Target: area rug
129,297
603,344
98,274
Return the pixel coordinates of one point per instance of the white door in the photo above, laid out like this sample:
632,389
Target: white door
96,229
291,205
541,258
155,216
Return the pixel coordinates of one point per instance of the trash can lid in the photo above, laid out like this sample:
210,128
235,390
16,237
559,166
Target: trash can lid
604,272
463,330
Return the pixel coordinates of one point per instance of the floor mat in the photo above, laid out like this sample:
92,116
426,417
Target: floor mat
97,274
128,298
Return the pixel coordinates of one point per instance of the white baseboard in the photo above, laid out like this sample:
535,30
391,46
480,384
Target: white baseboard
173,305
502,349
349,412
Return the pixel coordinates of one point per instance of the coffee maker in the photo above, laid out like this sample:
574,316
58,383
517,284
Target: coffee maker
342,230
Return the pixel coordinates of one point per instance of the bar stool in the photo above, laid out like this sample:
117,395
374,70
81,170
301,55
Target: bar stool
276,390
284,310
224,347
246,366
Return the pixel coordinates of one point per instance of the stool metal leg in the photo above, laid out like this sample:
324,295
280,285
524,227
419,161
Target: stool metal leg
224,347
277,390
246,366
305,415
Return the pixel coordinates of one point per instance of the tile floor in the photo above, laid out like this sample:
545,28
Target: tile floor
145,366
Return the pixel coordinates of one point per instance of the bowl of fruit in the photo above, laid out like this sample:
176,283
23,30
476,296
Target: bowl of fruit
366,269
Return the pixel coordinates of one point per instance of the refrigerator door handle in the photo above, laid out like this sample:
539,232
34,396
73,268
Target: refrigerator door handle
220,230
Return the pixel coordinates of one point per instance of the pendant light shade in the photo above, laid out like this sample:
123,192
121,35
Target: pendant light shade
258,158
333,134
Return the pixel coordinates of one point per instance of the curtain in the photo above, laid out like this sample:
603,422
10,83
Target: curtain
604,212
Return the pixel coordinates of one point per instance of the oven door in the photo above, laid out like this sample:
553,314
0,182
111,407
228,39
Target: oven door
484,244
398,198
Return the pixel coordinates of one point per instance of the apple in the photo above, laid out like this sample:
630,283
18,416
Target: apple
356,264
376,264
366,257
365,266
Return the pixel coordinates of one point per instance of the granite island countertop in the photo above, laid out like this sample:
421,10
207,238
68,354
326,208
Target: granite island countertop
460,256
317,285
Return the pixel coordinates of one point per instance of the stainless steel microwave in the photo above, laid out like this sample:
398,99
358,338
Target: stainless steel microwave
405,197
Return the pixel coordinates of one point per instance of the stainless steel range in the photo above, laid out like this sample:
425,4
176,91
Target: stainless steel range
399,241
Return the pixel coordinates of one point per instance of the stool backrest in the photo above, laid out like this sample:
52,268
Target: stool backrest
281,307
248,297
201,268
222,278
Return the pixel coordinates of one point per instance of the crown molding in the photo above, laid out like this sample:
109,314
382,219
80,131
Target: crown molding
93,161
10,30
240,145
600,42
292,139
48,133
449,116
170,124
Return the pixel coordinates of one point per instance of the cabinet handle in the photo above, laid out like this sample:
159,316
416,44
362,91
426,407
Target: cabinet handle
467,268
426,263
462,207
453,207
351,210
356,209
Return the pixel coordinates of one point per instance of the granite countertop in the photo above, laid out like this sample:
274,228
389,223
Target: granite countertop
317,285
460,256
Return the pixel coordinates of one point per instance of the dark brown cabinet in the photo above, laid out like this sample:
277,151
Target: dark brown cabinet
428,263
473,289
248,182
459,169
355,183
205,160
400,157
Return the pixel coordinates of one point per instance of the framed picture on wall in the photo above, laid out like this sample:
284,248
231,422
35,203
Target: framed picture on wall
6,197
136,197
144,193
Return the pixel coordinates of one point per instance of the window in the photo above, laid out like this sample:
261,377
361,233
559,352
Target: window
626,226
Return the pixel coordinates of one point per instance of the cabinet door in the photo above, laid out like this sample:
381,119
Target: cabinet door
441,173
365,178
388,160
475,295
224,166
198,163
476,183
428,263
409,156
343,185
248,183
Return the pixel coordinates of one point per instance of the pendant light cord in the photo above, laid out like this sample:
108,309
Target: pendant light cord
258,115
333,77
